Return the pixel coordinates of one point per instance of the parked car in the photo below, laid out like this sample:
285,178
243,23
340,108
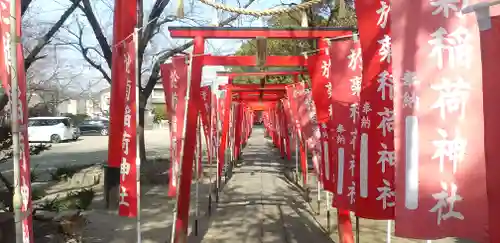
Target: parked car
100,127
51,129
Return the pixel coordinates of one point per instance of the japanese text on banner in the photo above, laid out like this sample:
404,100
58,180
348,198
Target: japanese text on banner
438,97
375,195
346,82
128,169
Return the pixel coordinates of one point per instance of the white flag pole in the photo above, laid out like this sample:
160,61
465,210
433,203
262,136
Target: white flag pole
319,192
197,170
217,145
183,138
296,138
14,101
389,231
328,213
210,149
357,229
137,130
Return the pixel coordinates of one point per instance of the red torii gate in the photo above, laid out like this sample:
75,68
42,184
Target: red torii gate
199,34
251,92
294,73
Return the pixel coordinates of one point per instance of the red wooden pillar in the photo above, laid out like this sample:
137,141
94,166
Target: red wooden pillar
286,135
279,130
239,121
182,220
344,226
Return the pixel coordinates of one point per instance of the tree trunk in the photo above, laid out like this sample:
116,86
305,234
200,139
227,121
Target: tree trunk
142,140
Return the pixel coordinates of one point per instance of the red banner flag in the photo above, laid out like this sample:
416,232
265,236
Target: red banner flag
441,186
294,92
205,109
226,112
285,121
239,122
308,123
125,19
289,121
5,48
490,51
319,71
175,78
292,95
375,190
22,119
128,167
346,81
214,126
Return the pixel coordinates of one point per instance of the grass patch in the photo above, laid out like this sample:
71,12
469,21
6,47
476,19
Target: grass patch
80,200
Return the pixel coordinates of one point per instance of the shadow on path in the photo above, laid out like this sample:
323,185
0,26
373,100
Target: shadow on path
259,205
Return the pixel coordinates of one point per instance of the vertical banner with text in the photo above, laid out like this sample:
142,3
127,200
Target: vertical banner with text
375,198
128,167
346,85
175,77
213,126
205,109
309,124
321,87
125,19
441,186
21,109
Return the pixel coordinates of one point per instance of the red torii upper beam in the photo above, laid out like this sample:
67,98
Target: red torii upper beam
260,74
258,87
251,86
271,61
252,32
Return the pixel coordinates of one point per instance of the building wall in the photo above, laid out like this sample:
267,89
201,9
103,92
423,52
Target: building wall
68,106
104,100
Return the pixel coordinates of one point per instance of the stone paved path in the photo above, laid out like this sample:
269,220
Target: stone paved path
259,205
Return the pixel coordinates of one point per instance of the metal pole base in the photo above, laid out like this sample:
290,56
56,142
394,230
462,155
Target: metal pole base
328,222
111,186
307,194
357,229
217,189
210,204
196,227
319,207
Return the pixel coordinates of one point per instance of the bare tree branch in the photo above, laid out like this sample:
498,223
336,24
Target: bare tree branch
33,56
84,50
151,27
98,32
4,100
24,6
155,72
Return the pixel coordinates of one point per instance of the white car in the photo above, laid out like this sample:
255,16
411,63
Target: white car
51,129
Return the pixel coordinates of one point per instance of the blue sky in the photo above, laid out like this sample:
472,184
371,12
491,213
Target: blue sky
48,11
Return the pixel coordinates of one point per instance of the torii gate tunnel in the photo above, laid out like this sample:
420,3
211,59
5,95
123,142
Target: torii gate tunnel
199,35
253,95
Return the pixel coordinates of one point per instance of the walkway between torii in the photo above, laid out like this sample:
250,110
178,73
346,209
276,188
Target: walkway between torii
259,205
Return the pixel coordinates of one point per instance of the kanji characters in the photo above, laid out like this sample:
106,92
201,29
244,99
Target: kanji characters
386,194
447,199
383,13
